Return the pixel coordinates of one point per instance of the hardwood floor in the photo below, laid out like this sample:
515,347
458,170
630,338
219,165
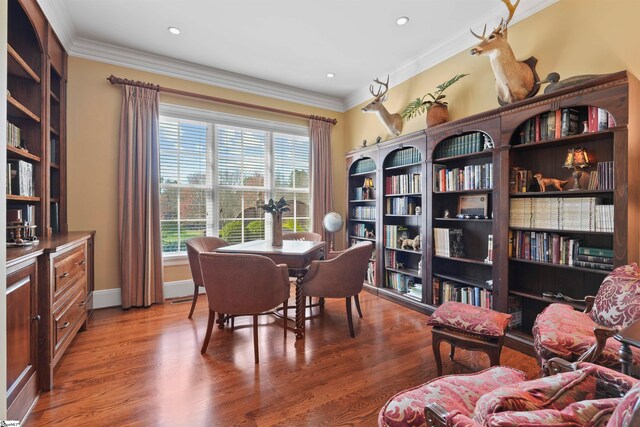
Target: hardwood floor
143,367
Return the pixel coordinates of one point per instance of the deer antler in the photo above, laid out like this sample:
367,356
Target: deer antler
512,9
378,94
484,31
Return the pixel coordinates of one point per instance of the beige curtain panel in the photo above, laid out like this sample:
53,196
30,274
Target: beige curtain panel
138,198
321,178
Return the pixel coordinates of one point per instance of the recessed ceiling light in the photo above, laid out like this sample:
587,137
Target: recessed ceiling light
331,75
174,30
402,20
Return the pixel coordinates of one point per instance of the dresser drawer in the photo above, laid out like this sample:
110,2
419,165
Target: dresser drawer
66,318
68,268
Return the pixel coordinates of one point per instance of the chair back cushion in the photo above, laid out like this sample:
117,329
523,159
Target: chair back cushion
243,284
197,245
617,303
554,392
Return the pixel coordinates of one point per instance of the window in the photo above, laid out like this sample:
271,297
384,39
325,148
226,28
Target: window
216,171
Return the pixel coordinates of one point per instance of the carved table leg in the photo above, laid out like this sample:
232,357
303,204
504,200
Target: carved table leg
626,358
300,306
435,343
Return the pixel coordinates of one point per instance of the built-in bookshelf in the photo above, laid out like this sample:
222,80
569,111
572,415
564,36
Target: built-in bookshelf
490,235
36,108
402,222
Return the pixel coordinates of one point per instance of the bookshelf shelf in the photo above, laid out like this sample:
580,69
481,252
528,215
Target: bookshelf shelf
531,295
14,198
465,280
409,251
363,220
402,295
404,195
471,220
16,66
16,109
402,216
54,200
563,266
408,165
486,190
567,140
466,260
573,193
557,231
372,172
54,97
407,271
54,131
54,165
478,155
363,238
362,201
17,153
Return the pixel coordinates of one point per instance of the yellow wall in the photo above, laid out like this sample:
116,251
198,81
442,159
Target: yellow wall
92,157
571,37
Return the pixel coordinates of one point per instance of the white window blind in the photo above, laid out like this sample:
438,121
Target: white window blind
215,175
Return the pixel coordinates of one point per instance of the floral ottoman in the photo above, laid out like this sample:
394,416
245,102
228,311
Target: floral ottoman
468,327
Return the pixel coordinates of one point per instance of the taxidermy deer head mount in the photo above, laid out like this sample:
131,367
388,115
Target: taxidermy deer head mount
393,122
515,80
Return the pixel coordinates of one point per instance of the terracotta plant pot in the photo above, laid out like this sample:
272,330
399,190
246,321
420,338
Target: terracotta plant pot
437,114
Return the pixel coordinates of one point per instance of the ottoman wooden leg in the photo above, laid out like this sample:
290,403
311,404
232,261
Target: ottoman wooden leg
435,343
494,356
452,352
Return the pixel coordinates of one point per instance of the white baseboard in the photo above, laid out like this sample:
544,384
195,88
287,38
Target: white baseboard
112,297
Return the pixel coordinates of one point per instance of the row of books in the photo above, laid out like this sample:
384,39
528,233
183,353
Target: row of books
552,125
557,213
521,181
364,165
20,178
395,259
471,177
399,282
403,184
415,292
462,144
449,290
371,273
604,218
514,308
13,136
361,230
605,177
556,249
364,193
405,156
367,213
598,119
394,234
401,205
448,242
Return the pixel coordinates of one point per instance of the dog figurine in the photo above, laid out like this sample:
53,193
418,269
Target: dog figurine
544,182
369,234
411,243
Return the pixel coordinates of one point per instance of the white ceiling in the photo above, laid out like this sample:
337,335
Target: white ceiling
278,48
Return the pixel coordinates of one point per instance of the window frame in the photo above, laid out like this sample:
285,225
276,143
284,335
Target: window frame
213,120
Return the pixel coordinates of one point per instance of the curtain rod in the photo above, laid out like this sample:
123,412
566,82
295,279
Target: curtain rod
119,81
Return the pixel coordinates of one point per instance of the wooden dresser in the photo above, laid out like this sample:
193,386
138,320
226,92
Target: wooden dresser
49,297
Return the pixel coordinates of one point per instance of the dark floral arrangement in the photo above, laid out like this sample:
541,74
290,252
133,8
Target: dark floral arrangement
281,206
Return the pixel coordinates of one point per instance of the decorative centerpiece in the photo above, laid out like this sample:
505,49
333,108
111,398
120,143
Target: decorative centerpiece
276,210
436,108
577,159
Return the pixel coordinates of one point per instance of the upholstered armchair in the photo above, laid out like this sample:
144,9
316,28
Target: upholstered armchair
303,235
240,284
584,395
340,276
195,246
561,331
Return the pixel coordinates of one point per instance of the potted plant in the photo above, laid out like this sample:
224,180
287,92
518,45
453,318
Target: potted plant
276,210
432,103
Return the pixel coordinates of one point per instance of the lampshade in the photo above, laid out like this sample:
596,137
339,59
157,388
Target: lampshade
332,222
577,157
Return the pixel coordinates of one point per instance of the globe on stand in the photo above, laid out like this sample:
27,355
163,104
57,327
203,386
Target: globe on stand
332,222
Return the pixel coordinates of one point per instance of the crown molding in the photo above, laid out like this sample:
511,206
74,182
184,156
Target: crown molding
437,54
56,13
131,58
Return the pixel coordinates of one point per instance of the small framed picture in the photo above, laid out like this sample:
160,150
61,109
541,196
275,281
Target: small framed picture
476,204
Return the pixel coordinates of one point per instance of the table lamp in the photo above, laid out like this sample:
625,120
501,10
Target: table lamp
332,222
577,159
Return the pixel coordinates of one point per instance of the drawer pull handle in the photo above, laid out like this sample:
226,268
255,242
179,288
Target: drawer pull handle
82,262
65,325
82,303
36,318
64,275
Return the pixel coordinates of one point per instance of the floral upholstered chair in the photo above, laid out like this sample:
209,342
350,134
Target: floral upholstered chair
584,395
560,331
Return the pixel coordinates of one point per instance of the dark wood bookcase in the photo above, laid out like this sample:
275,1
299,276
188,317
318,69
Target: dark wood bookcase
517,285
